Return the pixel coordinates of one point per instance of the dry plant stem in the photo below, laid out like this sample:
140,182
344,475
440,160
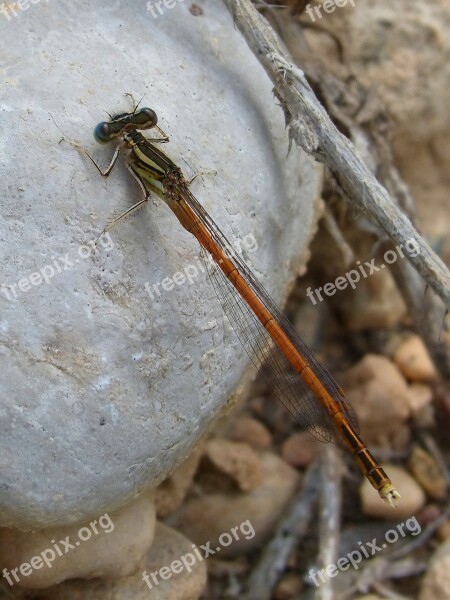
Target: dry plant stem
398,564
329,518
371,140
347,253
276,554
378,570
436,453
312,129
423,537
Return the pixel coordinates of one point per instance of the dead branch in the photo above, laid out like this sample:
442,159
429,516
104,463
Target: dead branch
311,128
291,529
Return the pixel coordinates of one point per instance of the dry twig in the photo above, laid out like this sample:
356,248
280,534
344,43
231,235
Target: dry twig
330,512
293,527
311,128
399,563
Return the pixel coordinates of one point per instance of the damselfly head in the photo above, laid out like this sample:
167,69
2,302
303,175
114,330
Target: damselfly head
118,126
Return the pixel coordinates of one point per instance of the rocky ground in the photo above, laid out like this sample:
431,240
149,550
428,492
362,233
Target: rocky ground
394,57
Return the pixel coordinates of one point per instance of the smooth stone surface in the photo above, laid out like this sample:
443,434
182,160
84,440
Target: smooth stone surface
111,546
105,390
251,431
413,360
412,496
380,397
300,449
236,464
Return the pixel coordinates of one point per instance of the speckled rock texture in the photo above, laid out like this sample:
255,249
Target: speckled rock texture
104,388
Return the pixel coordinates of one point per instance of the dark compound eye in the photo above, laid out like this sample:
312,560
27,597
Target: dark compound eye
146,117
102,133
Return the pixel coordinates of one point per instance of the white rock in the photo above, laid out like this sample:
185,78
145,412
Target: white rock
104,390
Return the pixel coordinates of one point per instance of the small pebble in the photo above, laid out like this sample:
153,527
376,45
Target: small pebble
251,431
413,360
422,409
412,496
252,515
300,449
376,305
426,472
380,396
236,460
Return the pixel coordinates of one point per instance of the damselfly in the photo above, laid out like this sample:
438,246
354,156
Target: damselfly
305,388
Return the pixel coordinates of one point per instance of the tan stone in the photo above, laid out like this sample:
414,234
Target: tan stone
168,546
375,304
170,493
235,460
116,550
413,360
300,449
422,409
412,496
251,431
205,518
380,397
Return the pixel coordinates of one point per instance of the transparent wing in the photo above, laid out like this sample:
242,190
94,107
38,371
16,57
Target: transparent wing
267,357
286,383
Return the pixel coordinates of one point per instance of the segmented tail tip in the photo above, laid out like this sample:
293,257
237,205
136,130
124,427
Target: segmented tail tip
390,494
